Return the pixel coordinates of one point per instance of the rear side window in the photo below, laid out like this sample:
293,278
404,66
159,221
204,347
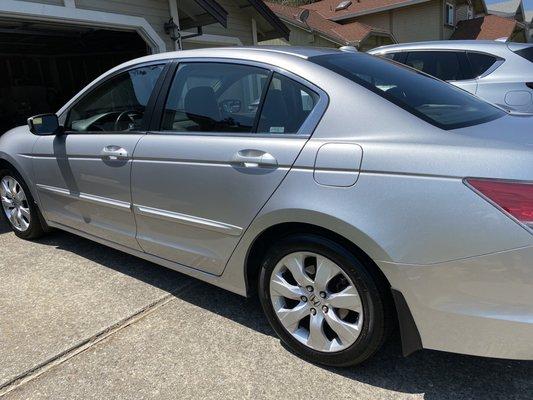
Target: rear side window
444,65
214,97
527,53
429,99
235,98
287,105
480,63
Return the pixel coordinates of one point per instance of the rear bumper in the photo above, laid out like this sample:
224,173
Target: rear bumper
479,306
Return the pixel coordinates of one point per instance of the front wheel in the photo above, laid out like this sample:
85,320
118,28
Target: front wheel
322,301
18,206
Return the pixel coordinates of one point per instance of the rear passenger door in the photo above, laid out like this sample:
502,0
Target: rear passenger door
228,134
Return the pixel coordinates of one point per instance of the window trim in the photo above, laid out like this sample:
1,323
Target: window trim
64,115
499,61
306,129
454,16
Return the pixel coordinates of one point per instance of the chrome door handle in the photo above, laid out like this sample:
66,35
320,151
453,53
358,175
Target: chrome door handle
254,158
114,153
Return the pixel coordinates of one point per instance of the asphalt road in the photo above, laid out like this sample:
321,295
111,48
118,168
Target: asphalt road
81,321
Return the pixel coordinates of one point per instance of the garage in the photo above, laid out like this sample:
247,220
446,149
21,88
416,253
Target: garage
42,64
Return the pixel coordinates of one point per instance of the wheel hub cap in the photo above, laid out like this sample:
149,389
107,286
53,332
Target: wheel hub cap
14,203
316,302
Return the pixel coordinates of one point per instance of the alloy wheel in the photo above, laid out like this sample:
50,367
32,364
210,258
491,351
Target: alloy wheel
15,203
316,302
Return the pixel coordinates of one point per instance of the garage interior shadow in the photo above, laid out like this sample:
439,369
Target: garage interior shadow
434,374
43,65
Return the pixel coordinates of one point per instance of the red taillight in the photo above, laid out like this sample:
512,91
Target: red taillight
516,198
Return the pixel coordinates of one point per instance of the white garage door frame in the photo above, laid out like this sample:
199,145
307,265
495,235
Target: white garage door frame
77,16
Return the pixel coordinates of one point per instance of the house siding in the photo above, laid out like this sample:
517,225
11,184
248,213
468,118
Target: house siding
418,23
415,23
239,23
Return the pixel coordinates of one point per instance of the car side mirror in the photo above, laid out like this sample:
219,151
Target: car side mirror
45,124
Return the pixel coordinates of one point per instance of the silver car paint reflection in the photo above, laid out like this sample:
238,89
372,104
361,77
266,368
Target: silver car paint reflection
464,267
504,84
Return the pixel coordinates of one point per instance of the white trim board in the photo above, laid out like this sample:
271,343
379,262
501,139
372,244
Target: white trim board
78,16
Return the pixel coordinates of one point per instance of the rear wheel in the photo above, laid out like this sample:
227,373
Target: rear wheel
322,301
18,206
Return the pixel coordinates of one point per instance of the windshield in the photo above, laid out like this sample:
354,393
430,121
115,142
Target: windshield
428,98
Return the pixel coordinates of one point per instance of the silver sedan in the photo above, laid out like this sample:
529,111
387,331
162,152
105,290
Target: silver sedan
344,190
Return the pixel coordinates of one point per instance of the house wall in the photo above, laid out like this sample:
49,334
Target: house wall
417,23
413,24
381,20
239,23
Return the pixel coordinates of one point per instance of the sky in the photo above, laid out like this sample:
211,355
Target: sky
528,4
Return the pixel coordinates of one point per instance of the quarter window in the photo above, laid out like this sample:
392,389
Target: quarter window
287,105
527,53
118,105
444,65
214,97
480,63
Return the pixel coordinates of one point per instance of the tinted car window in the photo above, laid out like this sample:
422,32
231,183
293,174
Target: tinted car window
118,104
214,97
480,63
436,102
527,53
287,105
441,64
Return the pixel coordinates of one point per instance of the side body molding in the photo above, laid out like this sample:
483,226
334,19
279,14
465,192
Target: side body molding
338,164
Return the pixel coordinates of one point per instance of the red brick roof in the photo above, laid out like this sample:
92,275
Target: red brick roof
326,8
489,27
343,34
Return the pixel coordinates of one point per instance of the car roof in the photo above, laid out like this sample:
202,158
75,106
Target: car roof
243,52
489,46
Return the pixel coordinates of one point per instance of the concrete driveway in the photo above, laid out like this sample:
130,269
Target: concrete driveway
79,320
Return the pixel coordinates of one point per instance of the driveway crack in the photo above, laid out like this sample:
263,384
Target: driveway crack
89,342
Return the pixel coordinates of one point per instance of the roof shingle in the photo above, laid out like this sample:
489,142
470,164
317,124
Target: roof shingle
343,34
326,8
489,27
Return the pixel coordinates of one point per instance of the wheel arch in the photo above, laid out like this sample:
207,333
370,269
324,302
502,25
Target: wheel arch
7,162
399,309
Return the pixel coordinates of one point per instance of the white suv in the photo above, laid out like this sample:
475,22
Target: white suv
501,73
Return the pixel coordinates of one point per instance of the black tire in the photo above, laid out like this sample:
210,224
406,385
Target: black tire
36,227
376,322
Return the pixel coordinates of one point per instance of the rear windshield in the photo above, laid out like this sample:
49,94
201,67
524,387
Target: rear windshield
527,53
430,99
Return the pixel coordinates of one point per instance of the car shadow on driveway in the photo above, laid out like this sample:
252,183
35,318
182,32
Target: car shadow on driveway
435,374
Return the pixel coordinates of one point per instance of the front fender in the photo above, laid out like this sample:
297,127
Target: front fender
16,149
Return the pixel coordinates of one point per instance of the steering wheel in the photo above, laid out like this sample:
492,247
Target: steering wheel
131,117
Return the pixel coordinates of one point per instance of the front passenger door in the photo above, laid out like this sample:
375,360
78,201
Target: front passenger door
83,176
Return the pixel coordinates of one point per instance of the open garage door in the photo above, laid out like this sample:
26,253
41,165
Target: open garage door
43,65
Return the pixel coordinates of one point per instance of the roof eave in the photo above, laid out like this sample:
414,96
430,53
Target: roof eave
271,17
